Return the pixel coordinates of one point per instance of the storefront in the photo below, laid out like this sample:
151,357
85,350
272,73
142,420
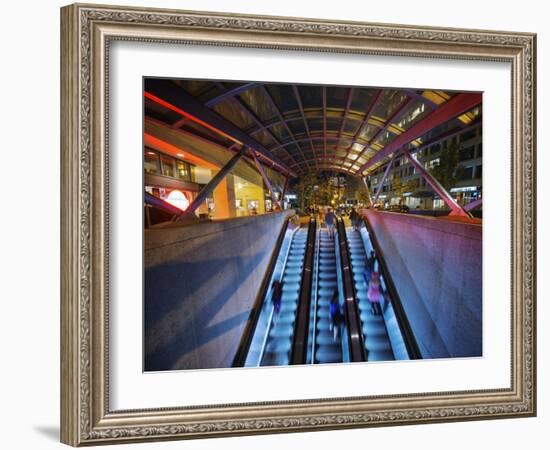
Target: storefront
249,198
168,178
466,194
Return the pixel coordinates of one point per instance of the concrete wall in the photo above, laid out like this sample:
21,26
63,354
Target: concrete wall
436,265
200,283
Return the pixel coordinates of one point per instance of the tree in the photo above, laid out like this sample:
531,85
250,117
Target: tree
312,189
448,171
305,189
400,187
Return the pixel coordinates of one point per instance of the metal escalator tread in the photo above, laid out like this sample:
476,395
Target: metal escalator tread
327,349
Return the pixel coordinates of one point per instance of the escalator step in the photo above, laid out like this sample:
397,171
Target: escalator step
291,287
329,284
326,337
279,345
328,355
327,275
281,330
288,307
377,343
322,324
380,356
374,329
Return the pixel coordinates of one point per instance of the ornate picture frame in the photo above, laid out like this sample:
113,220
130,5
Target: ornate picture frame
86,34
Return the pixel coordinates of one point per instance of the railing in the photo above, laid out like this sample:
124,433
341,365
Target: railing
314,305
344,336
301,324
351,312
393,297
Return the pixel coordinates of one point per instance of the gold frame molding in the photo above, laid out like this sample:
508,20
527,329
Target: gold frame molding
86,31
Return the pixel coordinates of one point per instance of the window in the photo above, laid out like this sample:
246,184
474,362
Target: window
468,135
167,164
182,170
435,148
479,171
467,153
480,150
467,173
151,161
433,163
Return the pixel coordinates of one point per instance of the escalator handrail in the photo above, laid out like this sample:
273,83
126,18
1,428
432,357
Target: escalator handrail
250,326
351,310
301,323
402,320
315,294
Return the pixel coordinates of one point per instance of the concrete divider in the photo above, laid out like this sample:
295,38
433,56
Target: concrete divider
436,266
200,283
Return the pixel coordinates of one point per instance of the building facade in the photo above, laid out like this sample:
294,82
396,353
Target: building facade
404,185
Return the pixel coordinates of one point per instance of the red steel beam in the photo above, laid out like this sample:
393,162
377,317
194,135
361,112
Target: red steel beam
459,104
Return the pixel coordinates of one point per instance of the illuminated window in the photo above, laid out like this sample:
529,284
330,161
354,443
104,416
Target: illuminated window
183,170
167,164
433,163
151,163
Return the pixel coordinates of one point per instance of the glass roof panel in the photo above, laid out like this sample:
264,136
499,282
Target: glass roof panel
333,125
383,139
283,96
257,102
263,138
234,114
315,125
280,132
337,97
413,114
368,132
351,126
362,99
388,103
297,127
311,96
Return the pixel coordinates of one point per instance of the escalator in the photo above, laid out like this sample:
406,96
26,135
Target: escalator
325,347
278,339
387,335
312,267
